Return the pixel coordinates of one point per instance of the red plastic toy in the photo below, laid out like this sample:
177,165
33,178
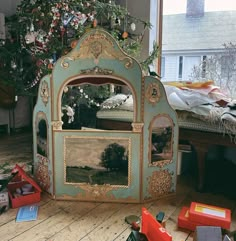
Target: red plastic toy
184,222
19,180
152,229
210,215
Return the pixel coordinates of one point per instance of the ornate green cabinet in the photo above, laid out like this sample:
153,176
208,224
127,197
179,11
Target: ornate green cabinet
87,162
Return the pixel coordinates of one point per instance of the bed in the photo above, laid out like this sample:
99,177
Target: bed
206,117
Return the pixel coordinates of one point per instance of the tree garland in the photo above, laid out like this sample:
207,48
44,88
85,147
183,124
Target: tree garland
43,30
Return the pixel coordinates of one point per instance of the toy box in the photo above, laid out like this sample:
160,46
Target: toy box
184,222
4,199
26,197
153,229
210,215
209,233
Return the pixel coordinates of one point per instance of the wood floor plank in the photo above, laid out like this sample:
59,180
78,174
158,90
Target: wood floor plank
10,214
111,228
11,229
53,217
90,221
86,224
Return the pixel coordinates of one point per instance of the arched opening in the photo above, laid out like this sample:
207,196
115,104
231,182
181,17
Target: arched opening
89,101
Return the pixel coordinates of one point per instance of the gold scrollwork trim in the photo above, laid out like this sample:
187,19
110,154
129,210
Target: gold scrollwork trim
137,127
42,159
57,125
98,191
160,164
97,46
44,92
97,70
128,62
160,183
64,62
153,93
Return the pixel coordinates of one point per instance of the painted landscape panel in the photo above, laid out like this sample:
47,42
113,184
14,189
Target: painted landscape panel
97,161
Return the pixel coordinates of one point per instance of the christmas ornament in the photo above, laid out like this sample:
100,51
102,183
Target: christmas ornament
133,26
39,62
2,42
73,43
30,37
13,65
79,18
117,21
125,35
31,27
50,66
95,23
66,18
41,35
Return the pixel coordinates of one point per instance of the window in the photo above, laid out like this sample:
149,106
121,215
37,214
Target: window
195,35
204,63
191,63
180,67
163,67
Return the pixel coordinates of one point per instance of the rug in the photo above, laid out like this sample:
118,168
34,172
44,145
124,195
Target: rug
15,149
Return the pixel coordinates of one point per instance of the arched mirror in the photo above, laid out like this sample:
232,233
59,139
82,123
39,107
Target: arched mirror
161,139
107,105
42,135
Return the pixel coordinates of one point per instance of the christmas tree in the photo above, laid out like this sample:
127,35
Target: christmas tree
43,30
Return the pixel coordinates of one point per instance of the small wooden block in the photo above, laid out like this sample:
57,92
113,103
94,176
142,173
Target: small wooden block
131,219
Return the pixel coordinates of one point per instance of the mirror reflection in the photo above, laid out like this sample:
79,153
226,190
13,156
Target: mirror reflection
88,105
161,139
42,137
97,160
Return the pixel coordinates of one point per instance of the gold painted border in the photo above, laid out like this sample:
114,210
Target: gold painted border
153,93
86,186
58,126
164,162
39,116
44,92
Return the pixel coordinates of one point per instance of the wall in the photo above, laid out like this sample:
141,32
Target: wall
8,7
20,115
146,10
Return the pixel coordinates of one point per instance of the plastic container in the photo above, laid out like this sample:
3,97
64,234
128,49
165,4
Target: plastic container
152,229
18,182
210,215
184,222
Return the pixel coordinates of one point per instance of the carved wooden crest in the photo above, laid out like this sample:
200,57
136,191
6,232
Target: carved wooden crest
153,93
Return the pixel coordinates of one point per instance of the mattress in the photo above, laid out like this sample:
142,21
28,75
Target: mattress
119,115
205,116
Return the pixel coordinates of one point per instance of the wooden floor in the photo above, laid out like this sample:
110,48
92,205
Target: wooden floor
86,221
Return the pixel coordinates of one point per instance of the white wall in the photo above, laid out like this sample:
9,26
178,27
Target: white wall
8,7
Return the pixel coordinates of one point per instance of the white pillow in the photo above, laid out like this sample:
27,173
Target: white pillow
127,105
114,101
